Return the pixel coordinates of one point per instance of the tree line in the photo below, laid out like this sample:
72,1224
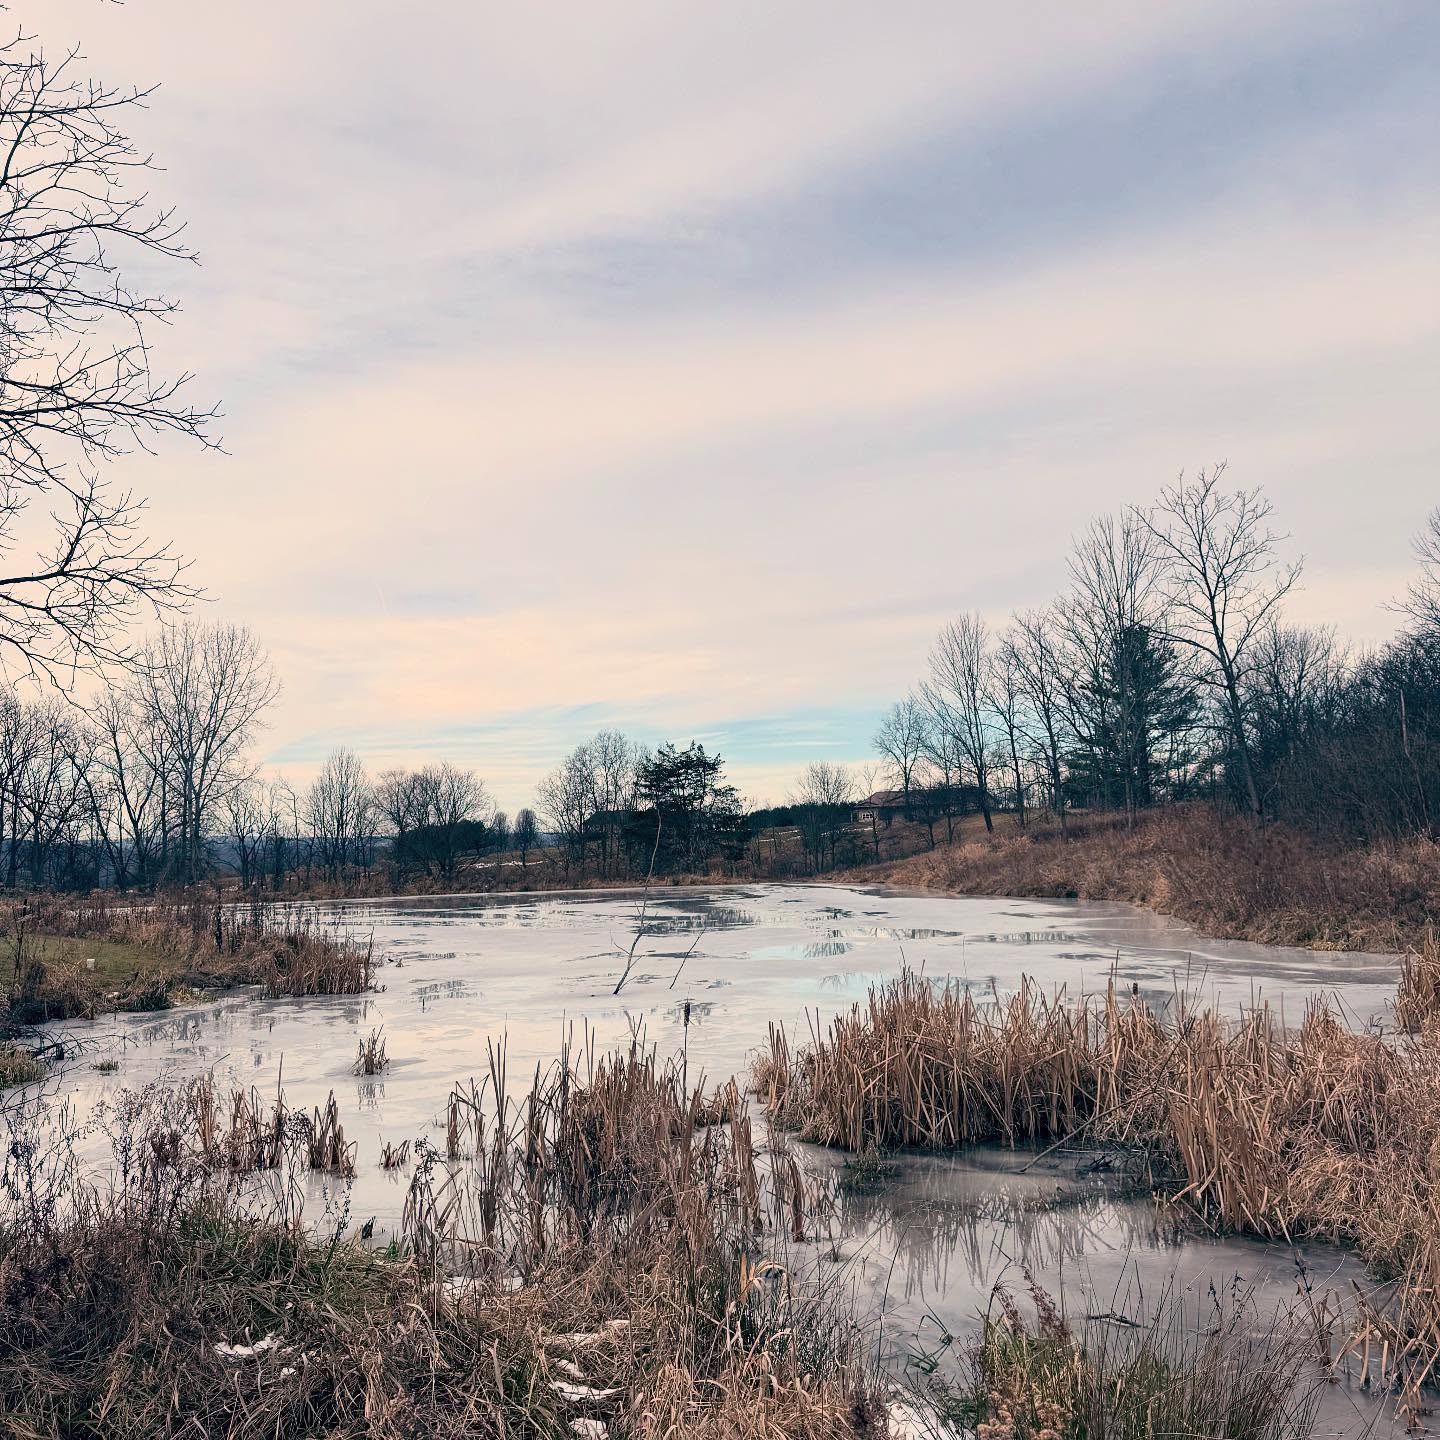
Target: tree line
1167,670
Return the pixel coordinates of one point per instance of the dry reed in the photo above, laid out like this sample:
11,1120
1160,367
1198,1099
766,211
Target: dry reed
1315,1131
607,1259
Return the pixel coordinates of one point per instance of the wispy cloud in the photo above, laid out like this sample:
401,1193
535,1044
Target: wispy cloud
680,367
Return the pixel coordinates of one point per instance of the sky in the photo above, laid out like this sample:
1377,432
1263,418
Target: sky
683,367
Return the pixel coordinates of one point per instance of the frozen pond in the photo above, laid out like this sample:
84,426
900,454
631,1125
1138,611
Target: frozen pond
463,973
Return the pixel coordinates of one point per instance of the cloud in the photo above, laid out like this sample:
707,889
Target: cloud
683,366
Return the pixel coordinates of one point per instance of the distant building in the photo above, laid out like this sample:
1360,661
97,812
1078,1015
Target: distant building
884,807
880,808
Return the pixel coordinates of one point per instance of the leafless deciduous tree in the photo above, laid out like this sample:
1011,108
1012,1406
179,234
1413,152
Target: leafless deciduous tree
1005,694
822,800
1033,643
900,740
340,812
206,688
1107,619
76,388
1224,583
1422,604
527,834
959,668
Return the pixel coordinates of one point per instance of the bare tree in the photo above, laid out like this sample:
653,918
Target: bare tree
339,811
1005,694
206,688
567,796
959,664
1108,620
76,390
500,836
1422,604
1224,584
455,800
126,783
527,834
944,760
1034,647
822,797
900,740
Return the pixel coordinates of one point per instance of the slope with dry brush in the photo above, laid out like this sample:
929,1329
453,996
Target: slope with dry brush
1220,873
1309,1132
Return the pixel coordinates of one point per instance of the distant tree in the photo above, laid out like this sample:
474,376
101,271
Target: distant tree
340,812
1005,695
900,741
959,669
1034,644
821,801
399,798
1107,620
697,810
500,835
454,803
1422,604
77,389
527,834
205,689
567,796
1224,584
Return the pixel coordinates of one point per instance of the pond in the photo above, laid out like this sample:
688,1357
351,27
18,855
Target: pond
710,971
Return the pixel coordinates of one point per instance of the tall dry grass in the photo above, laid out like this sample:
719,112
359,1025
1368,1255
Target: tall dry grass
1214,1374
174,943
1220,873
604,1263
1315,1131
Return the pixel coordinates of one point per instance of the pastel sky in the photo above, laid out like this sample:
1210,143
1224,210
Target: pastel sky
683,366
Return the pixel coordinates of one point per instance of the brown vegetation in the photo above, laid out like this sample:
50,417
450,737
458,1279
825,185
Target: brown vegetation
1042,1380
1223,875
1313,1132
606,1259
74,957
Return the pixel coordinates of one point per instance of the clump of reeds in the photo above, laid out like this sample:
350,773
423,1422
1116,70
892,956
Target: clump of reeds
1044,1380
371,1058
1417,996
394,1157
302,957
326,1146
252,1135
19,1066
606,1260
1313,1131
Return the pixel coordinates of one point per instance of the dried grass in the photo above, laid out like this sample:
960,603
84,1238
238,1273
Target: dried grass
1041,1379
607,1259
1315,1131
174,942
1220,873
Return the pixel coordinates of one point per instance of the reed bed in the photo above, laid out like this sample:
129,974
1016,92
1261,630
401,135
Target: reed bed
1417,996
370,1057
1211,1375
1314,1131
606,1265
163,945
